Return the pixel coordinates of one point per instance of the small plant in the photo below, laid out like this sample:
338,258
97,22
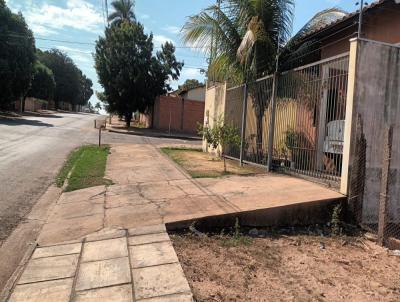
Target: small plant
336,223
237,237
220,135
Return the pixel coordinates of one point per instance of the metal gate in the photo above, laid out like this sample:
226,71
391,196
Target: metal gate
309,118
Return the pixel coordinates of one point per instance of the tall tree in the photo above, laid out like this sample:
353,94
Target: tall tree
86,90
67,76
129,73
43,83
241,37
17,56
189,84
123,11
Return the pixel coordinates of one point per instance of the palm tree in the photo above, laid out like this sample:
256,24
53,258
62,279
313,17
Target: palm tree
123,11
240,36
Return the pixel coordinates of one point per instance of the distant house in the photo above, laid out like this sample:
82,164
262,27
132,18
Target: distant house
179,112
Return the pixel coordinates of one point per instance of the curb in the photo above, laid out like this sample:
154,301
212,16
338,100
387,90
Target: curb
160,135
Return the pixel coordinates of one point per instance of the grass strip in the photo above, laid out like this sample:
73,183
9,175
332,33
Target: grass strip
68,165
89,168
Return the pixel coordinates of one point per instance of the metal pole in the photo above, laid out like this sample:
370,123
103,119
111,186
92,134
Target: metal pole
273,109
360,18
243,133
100,136
272,123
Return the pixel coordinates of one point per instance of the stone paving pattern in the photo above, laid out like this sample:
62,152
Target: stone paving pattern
111,265
110,244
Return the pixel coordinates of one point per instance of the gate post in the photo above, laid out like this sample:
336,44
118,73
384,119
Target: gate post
243,133
384,195
272,122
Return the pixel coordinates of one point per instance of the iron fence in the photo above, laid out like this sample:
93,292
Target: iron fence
302,119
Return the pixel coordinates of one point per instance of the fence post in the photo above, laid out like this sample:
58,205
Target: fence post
383,201
272,122
243,133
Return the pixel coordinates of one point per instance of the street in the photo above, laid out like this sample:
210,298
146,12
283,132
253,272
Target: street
33,149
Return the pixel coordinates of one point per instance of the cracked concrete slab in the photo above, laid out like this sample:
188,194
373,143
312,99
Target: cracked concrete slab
121,293
49,291
51,268
57,250
149,238
70,229
83,195
104,249
159,280
152,254
103,273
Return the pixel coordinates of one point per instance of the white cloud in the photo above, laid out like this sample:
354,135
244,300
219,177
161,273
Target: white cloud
44,19
160,39
172,29
78,55
190,73
144,16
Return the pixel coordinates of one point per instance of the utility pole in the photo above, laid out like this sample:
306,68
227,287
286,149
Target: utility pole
360,18
106,3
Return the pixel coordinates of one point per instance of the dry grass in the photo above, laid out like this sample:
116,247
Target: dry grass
288,268
203,165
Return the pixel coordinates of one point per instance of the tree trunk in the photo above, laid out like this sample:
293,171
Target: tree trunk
128,118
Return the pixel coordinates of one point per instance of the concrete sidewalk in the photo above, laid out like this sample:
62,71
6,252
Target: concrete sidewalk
149,191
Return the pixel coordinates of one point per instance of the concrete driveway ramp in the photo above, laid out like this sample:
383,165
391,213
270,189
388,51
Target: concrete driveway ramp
110,265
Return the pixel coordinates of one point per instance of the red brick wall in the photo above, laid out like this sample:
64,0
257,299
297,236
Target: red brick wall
177,114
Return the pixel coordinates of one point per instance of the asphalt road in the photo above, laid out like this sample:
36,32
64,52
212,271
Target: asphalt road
33,149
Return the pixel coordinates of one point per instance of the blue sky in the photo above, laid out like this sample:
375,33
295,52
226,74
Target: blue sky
81,22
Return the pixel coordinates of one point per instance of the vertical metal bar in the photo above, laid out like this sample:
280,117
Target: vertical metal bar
244,114
384,197
360,18
272,122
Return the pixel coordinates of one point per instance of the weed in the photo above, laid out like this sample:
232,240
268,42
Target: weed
336,223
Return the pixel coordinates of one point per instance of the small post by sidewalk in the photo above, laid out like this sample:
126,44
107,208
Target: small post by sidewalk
384,196
243,133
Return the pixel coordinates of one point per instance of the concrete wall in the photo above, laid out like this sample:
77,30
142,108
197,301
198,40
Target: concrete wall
177,114
33,104
376,105
214,107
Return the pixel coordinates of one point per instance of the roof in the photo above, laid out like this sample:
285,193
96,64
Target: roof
187,90
348,17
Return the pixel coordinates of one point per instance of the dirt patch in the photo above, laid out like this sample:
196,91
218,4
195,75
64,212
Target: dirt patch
201,165
288,268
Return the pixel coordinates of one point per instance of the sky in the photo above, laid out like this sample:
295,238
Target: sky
73,26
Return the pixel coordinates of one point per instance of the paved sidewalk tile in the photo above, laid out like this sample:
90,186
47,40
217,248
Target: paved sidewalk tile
44,269
145,230
57,250
105,249
159,280
49,291
150,238
152,254
107,233
186,297
103,273
121,293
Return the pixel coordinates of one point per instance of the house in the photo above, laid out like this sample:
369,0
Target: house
332,115
179,112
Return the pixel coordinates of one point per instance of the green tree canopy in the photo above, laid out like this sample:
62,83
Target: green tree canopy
43,83
71,85
189,84
86,90
129,72
17,56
